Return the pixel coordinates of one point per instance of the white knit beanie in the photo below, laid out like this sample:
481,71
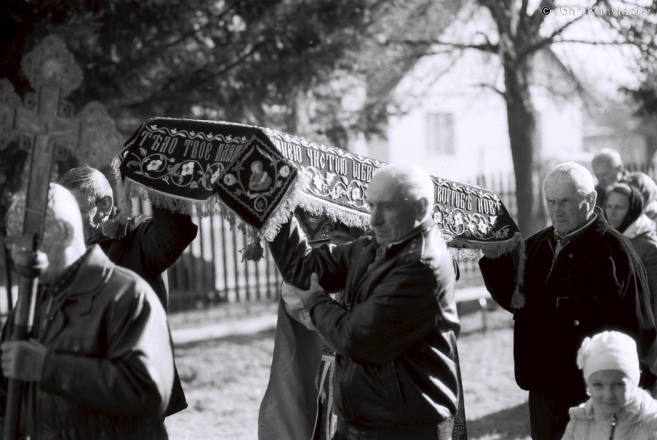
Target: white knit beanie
609,351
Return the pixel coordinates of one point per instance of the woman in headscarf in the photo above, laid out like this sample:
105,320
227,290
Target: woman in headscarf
624,212
648,190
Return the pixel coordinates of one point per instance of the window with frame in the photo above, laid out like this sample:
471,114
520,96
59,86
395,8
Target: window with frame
440,133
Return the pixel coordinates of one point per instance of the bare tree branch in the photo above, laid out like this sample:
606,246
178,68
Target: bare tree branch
523,8
500,17
487,47
490,86
550,38
593,43
535,20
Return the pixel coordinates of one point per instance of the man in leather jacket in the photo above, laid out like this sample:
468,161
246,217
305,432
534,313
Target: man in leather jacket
100,364
580,277
147,246
395,334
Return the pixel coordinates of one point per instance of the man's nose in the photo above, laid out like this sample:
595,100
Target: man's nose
375,217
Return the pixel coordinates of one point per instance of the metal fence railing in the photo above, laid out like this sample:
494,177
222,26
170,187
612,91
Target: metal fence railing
211,269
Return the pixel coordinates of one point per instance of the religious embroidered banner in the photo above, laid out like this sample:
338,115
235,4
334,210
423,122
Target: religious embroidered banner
263,175
256,182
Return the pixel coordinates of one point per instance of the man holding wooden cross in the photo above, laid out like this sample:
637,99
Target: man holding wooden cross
100,361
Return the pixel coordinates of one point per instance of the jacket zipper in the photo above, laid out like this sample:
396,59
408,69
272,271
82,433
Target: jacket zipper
613,426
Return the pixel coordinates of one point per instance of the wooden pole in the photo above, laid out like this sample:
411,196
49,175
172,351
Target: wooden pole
23,321
8,279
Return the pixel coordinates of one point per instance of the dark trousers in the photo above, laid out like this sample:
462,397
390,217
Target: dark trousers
442,431
548,413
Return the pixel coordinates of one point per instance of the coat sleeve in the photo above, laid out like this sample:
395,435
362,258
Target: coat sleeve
631,310
164,238
135,377
297,260
650,263
400,311
500,278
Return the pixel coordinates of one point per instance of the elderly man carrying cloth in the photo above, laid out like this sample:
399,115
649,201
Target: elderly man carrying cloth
396,334
147,246
100,365
581,277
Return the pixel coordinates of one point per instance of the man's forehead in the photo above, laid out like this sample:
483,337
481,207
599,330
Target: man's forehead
602,166
560,189
383,189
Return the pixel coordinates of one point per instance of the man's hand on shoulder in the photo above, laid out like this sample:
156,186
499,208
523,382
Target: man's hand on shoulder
23,360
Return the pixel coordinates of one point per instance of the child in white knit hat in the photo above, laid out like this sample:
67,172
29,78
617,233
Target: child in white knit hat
618,409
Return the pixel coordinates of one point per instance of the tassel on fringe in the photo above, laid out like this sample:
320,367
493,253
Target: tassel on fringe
252,251
518,300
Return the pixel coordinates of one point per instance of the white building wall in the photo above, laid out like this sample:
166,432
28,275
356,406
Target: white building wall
480,126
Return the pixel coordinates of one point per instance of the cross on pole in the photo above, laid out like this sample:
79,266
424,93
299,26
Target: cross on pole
46,129
46,124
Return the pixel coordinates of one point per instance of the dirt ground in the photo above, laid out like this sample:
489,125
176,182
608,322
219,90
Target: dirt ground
225,380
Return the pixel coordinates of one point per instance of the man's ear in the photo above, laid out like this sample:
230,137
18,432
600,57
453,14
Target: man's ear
592,197
422,206
105,204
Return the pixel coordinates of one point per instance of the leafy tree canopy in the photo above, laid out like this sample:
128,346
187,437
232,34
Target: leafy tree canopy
238,60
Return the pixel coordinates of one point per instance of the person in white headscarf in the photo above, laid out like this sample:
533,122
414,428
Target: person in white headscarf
617,407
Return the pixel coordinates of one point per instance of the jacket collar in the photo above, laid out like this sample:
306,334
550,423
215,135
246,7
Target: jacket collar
587,237
92,275
94,272
641,408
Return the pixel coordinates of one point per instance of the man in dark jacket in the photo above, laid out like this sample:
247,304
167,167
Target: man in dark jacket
147,246
100,364
580,277
395,337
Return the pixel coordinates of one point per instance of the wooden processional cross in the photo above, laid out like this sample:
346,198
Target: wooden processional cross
44,126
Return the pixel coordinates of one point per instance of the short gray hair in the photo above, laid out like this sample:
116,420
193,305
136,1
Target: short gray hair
575,173
608,156
413,181
91,182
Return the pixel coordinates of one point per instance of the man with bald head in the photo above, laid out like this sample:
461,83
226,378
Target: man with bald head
609,170
395,334
100,362
580,277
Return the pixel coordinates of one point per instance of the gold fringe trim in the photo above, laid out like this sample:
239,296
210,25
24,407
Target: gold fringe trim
296,196
350,217
172,203
285,209
462,249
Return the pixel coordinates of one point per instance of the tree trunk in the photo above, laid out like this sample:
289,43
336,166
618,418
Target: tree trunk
522,128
